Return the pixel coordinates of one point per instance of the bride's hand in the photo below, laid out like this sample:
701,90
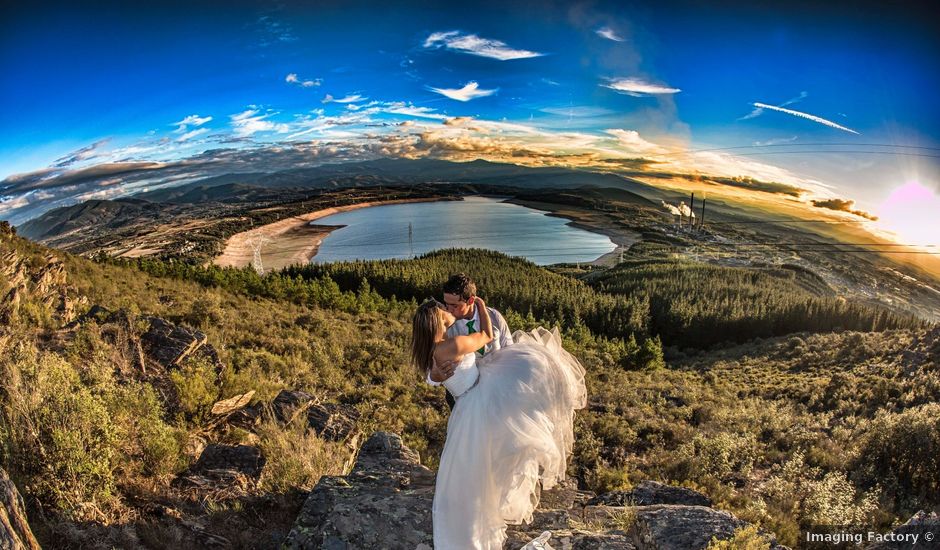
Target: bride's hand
479,302
441,372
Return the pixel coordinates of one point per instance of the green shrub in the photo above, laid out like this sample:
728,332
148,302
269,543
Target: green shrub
745,538
817,498
196,389
901,452
603,479
57,433
296,457
720,455
150,444
205,311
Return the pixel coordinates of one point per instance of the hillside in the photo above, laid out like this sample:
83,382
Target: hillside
65,220
202,404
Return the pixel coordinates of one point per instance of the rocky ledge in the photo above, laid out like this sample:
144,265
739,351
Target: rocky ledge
385,502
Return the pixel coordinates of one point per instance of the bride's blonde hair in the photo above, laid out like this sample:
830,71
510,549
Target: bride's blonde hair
425,327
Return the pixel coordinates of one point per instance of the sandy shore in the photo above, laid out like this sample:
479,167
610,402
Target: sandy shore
289,241
595,222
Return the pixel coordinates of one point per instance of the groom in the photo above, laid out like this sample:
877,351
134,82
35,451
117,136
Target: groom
459,296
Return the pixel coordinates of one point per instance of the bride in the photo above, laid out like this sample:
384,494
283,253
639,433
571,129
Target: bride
512,426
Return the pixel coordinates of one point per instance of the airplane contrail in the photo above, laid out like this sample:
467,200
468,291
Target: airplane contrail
814,118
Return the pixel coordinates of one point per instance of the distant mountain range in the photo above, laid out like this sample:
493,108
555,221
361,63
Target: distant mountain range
257,187
90,214
253,185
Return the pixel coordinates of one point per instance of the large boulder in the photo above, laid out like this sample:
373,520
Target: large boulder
333,421
15,533
169,345
241,459
288,404
384,502
678,527
223,471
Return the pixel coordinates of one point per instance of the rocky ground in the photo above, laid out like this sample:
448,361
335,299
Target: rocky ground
385,502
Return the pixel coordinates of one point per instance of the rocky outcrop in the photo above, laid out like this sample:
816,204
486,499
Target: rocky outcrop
223,471
169,345
235,470
240,459
15,533
288,404
334,421
163,345
913,534
385,502
652,492
45,285
648,527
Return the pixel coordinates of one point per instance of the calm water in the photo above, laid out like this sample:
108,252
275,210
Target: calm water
381,232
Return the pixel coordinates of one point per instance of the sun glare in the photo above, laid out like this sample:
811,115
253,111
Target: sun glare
912,212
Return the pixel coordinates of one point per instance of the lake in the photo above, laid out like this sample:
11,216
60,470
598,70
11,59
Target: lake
381,232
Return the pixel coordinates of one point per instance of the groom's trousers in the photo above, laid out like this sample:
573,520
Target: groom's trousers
450,399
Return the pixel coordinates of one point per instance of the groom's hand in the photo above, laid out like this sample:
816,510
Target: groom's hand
442,372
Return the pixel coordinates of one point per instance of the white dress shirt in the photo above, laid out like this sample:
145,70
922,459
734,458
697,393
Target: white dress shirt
501,334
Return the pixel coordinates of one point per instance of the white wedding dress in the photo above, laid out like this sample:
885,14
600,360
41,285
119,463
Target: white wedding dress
511,428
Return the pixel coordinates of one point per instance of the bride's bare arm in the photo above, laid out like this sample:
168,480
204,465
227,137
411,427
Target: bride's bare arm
453,348
486,324
456,347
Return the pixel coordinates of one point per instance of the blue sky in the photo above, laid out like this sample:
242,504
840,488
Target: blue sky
111,82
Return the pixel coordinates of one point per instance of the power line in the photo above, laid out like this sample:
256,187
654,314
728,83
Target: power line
815,244
896,153
789,221
802,145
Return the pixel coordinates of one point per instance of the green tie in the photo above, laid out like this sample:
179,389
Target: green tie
471,330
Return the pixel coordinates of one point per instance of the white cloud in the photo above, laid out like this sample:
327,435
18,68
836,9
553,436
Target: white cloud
348,99
191,134
609,34
10,203
468,92
631,140
807,116
638,87
753,114
292,78
803,95
400,108
474,45
251,121
191,120
92,151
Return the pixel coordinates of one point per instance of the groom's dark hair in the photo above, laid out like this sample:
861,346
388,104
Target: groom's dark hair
461,285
